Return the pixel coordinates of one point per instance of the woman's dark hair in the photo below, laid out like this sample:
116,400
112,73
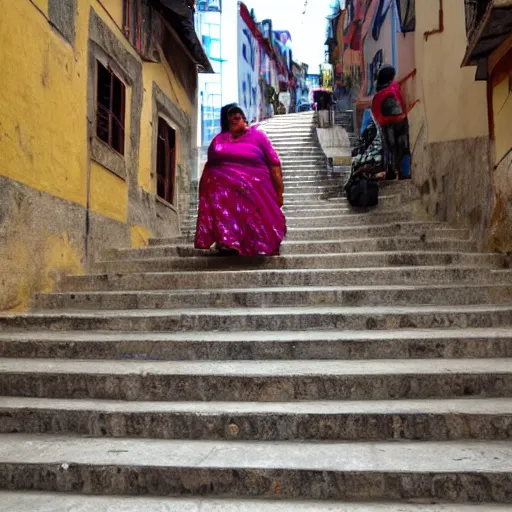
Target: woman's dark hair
236,110
385,76
224,123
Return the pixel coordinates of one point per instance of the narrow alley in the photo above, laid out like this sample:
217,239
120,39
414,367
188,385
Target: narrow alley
367,367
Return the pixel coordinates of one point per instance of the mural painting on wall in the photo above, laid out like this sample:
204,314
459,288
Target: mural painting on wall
379,41
407,14
248,72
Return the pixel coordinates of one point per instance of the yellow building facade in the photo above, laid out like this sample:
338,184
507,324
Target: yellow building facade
86,89
461,129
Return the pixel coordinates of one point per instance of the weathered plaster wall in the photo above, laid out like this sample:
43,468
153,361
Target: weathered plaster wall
64,199
41,238
456,105
452,164
42,101
500,234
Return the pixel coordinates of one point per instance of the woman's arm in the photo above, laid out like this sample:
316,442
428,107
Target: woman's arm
277,180
274,165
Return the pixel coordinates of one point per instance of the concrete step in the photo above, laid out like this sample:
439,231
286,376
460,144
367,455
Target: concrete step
383,420
64,502
326,221
307,248
380,471
319,261
218,346
426,230
325,203
332,208
346,219
297,167
258,381
266,319
306,145
409,228
276,297
271,278
302,137
313,179
300,154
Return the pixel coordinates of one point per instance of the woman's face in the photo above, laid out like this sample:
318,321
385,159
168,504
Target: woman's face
237,123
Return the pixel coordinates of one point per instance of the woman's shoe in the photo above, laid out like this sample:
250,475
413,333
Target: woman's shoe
222,250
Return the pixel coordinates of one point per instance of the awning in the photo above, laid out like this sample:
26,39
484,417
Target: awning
494,28
180,16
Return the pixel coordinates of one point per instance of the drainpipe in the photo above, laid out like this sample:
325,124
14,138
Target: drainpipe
441,23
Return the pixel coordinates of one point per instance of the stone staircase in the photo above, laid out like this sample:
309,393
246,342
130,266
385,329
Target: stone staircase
366,369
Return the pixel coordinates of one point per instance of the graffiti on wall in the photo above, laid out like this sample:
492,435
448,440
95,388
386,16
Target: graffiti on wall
257,71
379,42
248,62
407,14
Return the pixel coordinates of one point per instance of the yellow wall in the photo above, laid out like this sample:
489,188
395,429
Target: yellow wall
162,75
455,105
109,193
42,104
115,10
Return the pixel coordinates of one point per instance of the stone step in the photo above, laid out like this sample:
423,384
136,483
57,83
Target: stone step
271,278
301,154
306,145
296,220
65,502
323,208
266,319
319,261
382,420
322,203
423,230
301,137
307,248
259,381
282,345
304,167
470,471
276,297
409,228
278,128
313,179
332,208
326,221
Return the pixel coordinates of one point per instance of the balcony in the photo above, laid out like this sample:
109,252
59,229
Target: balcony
488,24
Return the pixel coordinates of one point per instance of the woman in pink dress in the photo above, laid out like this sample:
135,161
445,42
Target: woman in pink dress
241,192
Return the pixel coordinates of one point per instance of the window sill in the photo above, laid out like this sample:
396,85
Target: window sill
167,204
108,158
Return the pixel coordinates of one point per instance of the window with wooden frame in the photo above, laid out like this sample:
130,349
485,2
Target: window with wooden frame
166,161
132,12
110,108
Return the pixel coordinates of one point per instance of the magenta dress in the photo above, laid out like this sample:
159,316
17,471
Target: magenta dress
237,202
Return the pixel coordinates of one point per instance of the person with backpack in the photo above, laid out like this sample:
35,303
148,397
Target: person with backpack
390,112
368,166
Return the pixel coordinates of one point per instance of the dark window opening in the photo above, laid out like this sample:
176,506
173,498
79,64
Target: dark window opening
110,109
133,22
166,161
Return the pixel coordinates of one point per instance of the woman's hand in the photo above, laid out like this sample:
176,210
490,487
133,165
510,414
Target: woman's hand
277,181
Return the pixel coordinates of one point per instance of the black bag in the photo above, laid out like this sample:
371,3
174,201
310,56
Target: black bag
362,193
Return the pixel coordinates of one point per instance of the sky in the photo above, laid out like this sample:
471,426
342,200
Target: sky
307,31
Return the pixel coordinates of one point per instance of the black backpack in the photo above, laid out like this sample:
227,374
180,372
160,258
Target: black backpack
362,193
